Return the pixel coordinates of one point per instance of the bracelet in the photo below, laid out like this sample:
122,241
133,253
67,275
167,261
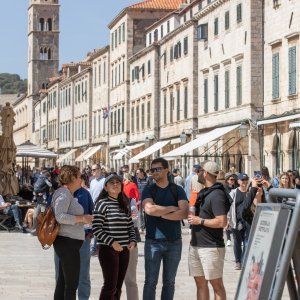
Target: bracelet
202,222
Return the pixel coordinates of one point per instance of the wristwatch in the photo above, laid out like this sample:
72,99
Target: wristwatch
202,222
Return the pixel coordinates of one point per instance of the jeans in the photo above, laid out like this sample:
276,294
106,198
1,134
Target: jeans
67,250
132,290
170,253
84,286
114,265
141,219
239,238
14,212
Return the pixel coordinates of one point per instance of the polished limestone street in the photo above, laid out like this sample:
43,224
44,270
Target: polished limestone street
27,271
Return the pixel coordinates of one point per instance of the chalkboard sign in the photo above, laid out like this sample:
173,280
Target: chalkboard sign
266,240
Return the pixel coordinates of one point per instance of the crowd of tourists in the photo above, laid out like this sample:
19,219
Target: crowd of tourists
105,213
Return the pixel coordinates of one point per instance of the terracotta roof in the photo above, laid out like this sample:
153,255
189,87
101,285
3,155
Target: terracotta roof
158,4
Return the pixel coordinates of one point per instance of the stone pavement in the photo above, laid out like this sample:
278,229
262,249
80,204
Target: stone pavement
27,271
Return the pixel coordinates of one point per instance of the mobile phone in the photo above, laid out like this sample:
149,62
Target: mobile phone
257,174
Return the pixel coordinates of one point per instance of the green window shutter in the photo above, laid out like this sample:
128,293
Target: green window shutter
205,95
239,85
292,70
227,89
216,92
275,76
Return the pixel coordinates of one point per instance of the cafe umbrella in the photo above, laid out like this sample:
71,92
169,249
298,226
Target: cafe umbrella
8,180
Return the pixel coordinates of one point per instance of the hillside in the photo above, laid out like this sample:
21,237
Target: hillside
12,84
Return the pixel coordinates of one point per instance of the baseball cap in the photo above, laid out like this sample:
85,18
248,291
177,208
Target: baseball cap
243,176
211,167
197,167
111,177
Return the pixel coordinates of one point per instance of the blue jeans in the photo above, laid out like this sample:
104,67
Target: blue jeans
14,212
170,253
84,286
239,238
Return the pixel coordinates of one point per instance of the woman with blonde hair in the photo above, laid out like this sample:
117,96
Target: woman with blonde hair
69,214
285,181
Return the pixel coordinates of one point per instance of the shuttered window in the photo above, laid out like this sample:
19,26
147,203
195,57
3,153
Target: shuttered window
275,76
205,96
239,85
227,89
178,104
226,20
292,71
165,109
216,92
239,13
185,102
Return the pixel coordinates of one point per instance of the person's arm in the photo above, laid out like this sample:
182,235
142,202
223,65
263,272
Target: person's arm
217,222
180,214
154,210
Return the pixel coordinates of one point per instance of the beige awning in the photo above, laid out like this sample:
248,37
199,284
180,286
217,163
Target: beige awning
83,154
66,155
92,151
148,151
203,139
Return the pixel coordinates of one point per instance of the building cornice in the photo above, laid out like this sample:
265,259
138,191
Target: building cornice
143,52
176,31
208,9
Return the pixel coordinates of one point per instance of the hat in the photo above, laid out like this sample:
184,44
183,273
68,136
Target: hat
197,167
112,176
211,167
243,176
228,175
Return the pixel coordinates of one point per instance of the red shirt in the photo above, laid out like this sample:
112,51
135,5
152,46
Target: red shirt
131,190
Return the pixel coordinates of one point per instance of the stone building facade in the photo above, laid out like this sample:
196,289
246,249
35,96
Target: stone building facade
281,86
174,72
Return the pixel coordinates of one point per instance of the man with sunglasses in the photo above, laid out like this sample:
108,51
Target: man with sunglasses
163,213
96,187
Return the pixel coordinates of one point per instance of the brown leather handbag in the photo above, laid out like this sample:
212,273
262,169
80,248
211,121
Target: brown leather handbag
47,228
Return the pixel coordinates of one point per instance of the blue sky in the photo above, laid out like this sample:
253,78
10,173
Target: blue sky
83,27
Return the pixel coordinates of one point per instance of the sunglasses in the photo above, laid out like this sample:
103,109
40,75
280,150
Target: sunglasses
245,179
93,170
231,179
159,169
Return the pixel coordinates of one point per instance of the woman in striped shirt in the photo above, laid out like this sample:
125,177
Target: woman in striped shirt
114,230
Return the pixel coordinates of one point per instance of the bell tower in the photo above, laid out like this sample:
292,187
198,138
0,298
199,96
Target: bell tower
43,44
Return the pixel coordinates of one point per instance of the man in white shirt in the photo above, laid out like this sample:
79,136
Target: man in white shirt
96,187
11,210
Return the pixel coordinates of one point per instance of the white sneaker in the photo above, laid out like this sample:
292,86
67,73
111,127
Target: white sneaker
228,244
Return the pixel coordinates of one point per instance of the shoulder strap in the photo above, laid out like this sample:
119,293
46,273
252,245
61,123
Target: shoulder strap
153,191
174,190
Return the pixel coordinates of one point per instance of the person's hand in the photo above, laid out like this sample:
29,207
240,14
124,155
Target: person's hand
297,180
87,219
7,204
266,183
117,247
193,220
131,246
259,192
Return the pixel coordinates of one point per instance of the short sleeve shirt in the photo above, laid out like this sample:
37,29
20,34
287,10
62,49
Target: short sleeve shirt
159,228
214,204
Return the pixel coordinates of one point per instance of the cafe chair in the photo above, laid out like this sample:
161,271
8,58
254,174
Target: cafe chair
3,219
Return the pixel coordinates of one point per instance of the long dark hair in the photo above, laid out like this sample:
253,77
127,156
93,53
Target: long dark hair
122,199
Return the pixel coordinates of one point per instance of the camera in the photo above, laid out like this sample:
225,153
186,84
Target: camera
258,178
257,174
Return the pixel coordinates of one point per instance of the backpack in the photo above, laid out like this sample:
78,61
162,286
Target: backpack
47,228
174,191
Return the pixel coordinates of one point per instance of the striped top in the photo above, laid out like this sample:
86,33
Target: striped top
110,224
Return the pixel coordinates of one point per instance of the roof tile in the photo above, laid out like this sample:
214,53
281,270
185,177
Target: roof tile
158,4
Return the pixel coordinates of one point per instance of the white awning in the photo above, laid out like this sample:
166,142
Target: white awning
175,141
83,154
148,151
131,147
203,139
294,125
92,151
66,155
28,149
120,154
126,150
277,120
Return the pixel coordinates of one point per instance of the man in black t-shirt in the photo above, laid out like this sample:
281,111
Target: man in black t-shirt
207,248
